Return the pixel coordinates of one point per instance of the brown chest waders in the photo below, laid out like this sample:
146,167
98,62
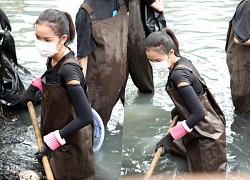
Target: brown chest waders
205,146
238,62
107,66
140,68
74,160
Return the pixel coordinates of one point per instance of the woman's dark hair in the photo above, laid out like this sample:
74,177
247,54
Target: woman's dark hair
163,42
60,22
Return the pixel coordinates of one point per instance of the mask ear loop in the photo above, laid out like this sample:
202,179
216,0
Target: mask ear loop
169,60
60,43
170,57
61,39
65,47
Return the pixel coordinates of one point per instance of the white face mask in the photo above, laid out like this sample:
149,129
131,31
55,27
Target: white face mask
160,66
46,49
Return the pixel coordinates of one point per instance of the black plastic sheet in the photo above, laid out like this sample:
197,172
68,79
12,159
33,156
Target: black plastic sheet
152,20
11,86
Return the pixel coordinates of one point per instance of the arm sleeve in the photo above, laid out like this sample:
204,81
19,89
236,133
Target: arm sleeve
193,103
82,108
85,42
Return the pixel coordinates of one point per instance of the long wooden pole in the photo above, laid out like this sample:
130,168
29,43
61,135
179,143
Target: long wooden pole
39,140
158,153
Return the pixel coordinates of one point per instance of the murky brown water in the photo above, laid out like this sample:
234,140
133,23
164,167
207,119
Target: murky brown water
201,28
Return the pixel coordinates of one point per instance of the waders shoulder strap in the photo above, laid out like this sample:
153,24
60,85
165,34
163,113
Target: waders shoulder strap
90,11
194,73
209,94
71,60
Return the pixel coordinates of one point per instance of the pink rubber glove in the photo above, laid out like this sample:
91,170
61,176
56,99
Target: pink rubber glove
180,130
54,140
37,83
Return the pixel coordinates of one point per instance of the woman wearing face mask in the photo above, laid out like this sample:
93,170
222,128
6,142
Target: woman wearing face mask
200,133
66,115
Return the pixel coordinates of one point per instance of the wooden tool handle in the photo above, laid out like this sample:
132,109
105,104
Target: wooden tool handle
39,140
158,153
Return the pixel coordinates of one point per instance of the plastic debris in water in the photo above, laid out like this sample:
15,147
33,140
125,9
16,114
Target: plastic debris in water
29,175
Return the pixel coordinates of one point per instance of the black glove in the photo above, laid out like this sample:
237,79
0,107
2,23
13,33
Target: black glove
165,143
5,23
45,151
32,94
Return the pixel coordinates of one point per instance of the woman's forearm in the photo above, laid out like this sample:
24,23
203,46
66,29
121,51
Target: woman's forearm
158,5
236,41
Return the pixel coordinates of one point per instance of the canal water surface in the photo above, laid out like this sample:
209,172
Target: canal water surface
133,131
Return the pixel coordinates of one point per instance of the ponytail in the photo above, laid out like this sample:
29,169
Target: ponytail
173,37
162,42
72,32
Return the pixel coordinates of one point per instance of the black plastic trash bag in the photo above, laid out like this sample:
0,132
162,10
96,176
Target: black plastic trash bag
11,86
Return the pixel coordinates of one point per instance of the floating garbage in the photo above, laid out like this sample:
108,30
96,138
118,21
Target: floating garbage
29,175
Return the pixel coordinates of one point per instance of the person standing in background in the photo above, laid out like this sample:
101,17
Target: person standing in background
102,33
238,57
140,69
